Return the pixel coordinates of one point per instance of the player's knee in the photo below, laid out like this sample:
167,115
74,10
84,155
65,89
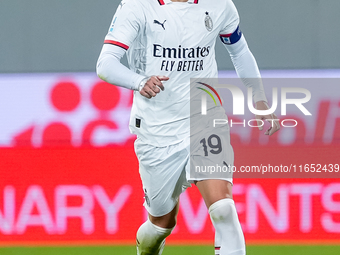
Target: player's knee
167,221
223,210
149,230
163,232
172,223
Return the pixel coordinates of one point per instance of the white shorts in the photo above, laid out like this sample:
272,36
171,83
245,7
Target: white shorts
167,171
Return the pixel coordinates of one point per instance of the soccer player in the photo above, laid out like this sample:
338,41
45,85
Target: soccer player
167,43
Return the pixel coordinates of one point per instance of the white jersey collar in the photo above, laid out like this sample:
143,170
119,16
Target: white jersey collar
162,2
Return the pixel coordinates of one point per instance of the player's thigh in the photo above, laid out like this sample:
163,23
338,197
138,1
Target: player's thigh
213,190
211,154
163,177
212,157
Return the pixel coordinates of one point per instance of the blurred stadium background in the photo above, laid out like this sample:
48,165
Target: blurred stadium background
68,173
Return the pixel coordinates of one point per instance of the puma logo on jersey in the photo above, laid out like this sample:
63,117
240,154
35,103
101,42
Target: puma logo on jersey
159,23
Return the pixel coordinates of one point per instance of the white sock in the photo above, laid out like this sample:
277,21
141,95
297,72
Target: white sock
229,236
151,239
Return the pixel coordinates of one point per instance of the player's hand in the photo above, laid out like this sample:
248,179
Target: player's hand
271,118
153,86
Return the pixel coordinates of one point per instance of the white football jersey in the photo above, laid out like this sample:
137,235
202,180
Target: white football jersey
174,39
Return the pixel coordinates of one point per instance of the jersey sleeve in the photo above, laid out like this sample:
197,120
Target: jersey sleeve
230,32
126,24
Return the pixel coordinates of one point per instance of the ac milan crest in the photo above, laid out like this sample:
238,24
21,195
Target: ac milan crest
208,22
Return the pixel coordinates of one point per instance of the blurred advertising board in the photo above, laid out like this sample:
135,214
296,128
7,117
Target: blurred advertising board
69,174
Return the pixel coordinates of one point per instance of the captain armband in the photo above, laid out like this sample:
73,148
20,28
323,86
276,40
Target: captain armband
230,39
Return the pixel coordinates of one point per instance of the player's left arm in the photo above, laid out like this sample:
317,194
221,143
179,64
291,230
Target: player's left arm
246,67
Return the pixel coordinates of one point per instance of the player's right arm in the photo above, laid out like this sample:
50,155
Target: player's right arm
127,22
